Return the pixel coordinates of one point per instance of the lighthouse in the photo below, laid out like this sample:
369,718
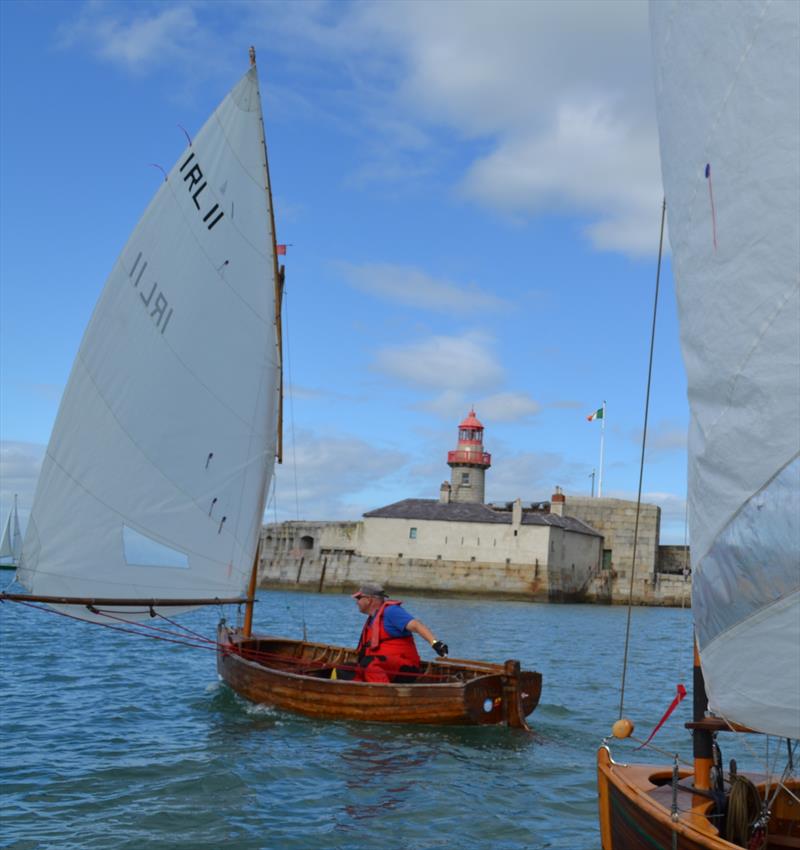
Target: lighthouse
469,463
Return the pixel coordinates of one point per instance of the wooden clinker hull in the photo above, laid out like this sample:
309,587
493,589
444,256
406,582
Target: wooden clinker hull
295,676
635,803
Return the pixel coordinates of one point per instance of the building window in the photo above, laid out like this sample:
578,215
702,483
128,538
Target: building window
465,479
606,559
516,532
412,533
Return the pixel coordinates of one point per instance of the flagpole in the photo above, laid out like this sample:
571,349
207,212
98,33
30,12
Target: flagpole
602,445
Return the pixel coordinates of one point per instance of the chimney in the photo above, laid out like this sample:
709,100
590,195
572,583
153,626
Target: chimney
516,514
557,502
444,493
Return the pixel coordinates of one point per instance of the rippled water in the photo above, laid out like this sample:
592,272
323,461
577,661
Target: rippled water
112,741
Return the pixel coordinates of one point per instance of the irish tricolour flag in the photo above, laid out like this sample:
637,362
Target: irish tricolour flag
598,414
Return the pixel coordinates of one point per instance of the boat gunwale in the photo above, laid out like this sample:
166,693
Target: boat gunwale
261,666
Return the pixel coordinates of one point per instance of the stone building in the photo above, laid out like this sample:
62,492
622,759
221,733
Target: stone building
570,548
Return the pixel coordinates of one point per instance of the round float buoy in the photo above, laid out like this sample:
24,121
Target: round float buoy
623,728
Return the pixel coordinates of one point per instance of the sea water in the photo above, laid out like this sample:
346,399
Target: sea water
115,742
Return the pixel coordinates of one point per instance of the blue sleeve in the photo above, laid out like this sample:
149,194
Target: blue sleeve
395,620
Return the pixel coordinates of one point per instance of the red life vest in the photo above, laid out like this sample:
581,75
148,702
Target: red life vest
375,640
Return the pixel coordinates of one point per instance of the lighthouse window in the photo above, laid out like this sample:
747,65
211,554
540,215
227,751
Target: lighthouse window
465,479
412,533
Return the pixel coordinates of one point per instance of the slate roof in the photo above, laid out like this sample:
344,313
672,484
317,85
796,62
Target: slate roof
433,509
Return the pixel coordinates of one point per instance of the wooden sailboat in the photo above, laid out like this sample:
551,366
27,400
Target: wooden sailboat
153,488
728,91
11,541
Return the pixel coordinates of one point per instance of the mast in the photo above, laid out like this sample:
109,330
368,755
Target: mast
702,739
247,628
602,448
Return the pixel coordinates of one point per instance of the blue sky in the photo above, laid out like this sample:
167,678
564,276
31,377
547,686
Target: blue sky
471,195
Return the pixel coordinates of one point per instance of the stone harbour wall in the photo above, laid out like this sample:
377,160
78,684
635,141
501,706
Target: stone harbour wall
325,557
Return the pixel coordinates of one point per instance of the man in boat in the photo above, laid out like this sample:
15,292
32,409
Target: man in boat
386,649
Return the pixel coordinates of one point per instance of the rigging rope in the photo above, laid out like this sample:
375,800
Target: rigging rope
302,666
744,808
641,462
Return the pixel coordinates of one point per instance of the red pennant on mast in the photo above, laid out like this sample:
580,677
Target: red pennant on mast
673,705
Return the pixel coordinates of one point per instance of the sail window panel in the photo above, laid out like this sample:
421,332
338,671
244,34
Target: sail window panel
143,551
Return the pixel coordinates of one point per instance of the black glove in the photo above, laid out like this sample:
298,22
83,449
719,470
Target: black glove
440,648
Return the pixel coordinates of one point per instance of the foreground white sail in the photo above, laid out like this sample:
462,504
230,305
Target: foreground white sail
154,481
730,155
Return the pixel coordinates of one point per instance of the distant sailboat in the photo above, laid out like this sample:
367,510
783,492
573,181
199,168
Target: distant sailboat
153,487
11,543
728,93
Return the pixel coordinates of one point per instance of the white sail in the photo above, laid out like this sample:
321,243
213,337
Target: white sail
728,94
154,481
11,542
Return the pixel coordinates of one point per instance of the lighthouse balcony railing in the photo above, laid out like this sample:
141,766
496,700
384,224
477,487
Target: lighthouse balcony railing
479,458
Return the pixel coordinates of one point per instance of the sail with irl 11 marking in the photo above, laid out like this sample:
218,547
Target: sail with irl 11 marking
152,491
154,481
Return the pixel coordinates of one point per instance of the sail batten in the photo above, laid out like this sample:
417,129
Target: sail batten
728,90
167,425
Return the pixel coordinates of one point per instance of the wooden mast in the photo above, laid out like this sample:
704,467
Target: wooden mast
247,628
702,739
278,276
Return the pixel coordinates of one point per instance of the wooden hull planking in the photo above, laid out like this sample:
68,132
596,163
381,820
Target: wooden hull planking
635,811
294,675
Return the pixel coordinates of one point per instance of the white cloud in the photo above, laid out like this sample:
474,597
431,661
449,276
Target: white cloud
663,437
414,288
508,407
323,475
560,93
590,162
529,476
449,404
454,363
557,96
134,37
